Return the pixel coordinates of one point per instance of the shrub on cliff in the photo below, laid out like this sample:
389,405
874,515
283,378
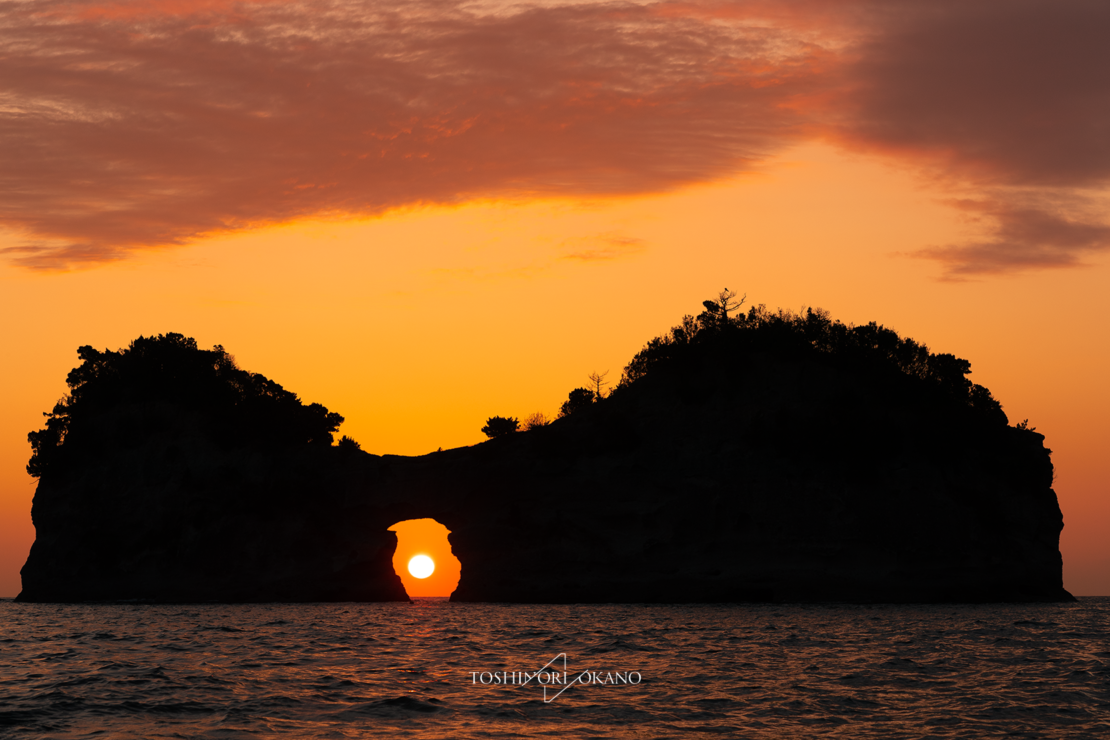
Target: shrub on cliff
499,426
157,379
348,445
536,421
577,400
716,339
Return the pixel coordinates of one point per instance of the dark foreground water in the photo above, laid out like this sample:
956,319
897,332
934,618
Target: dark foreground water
399,670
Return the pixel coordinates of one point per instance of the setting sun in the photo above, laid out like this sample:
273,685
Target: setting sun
425,539
422,566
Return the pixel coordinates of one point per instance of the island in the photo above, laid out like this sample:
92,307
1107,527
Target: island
744,456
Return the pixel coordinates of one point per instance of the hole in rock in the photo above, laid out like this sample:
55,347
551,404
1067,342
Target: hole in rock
428,538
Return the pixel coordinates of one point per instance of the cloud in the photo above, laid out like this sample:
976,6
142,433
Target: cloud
139,125
131,126
1013,93
1004,101
603,247
1021,236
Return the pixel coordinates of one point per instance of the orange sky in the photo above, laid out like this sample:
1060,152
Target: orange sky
468,222
425,537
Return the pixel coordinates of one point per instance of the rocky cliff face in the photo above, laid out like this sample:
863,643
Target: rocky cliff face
786,478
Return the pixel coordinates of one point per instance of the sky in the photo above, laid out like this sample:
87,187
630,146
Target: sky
426,537
423,214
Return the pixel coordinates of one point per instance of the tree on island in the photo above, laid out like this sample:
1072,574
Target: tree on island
116,396
536,420
499,426
716,310
348,444
868,347
724,339
597,381
578,399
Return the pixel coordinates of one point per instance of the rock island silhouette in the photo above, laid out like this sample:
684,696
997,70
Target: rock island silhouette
742,456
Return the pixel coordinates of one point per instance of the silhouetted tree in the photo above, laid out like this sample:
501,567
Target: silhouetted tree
986,406
536,420
498,426
348,444
578,399
597,382
716,311
163,376
685,332
865,348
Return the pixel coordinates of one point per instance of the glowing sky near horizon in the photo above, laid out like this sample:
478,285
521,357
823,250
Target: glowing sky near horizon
424,214
425,539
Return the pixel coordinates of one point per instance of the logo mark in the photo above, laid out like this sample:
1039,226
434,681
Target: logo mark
554,678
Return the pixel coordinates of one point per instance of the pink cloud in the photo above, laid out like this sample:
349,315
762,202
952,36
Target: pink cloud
137,125
603,247
125,134
1021,236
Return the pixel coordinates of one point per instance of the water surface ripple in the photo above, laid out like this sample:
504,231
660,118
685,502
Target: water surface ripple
400,670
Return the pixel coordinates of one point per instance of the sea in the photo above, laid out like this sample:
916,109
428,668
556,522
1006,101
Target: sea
433,669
